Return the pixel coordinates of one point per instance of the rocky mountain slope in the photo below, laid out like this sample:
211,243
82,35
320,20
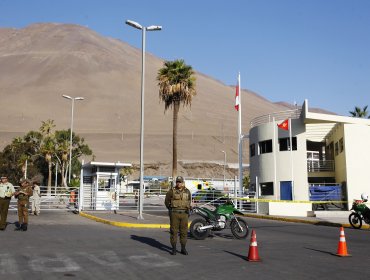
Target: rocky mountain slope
41,62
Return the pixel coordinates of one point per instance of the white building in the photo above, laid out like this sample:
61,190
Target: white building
100,185
327,149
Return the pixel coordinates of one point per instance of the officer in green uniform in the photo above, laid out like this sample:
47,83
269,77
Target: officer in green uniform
178,200
23,194
6,193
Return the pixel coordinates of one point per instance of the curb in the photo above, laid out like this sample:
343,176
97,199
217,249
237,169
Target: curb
296,220
122,224
167,226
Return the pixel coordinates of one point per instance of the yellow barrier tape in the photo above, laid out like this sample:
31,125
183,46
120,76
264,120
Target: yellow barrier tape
290,201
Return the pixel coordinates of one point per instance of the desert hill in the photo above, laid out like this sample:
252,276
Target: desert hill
41,62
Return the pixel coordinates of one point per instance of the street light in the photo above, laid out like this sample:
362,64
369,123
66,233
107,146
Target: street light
143,29
224,168
70,141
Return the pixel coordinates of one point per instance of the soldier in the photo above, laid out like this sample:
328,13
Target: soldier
6,193
23,194
178,200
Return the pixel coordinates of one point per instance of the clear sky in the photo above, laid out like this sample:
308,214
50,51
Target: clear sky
285,50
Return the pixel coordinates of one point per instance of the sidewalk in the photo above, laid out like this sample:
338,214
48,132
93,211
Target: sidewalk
161,220
128,219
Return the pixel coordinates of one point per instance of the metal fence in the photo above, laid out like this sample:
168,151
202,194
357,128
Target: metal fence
154,200
58,198
278,116
61,199
320,165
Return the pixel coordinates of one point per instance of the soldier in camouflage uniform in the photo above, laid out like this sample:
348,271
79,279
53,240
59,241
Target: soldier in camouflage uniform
23,194
178,202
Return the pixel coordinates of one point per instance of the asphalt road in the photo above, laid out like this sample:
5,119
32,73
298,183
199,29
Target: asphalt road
60,245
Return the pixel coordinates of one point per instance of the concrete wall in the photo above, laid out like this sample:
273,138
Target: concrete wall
340,159
289,209
357,154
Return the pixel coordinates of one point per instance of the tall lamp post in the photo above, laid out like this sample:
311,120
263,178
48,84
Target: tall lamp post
224,168
70,140
143,29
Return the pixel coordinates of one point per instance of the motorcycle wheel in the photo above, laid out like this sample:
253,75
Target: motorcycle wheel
239,232
355,220
194,229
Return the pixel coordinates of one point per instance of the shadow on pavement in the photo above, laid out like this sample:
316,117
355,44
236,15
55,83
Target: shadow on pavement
152,242
321,251
330,224
237,255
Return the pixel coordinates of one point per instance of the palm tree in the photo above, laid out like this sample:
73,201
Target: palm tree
360,113
176,82
47,127
47,150
48,146
61,152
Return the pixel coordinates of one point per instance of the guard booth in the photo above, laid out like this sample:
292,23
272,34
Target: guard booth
100,185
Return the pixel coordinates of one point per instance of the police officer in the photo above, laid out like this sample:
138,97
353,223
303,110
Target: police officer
178,200
23,194
6,193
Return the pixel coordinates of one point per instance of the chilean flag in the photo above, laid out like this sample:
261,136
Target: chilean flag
284,125
237,97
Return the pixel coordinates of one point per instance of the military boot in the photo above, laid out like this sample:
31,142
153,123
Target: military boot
183,250
18,227
24,227
174,251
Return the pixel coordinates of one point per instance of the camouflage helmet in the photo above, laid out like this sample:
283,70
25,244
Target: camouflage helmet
23,180
179,179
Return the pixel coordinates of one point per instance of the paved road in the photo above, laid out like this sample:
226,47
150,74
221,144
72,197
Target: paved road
62,245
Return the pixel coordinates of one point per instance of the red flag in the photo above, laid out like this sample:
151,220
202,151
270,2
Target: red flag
284,125
237,97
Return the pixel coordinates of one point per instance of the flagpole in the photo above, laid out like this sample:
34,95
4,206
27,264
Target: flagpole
291,155
276,138
240,143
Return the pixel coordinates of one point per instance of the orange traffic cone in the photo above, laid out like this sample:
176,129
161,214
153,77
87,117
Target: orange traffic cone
253,249
342,245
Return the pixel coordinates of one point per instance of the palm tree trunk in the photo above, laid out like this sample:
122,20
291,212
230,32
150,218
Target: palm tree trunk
176,107
49,178
64,175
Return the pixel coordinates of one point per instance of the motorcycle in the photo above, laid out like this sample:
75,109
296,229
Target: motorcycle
216,220
360,212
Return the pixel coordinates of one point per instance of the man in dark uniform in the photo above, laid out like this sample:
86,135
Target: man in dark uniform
23,194
178,200
6,193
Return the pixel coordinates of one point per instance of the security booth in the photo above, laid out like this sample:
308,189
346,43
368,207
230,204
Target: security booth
100,185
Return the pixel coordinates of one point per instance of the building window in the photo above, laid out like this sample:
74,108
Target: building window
267,188
252,150
284,144
341,145
336,148
265,147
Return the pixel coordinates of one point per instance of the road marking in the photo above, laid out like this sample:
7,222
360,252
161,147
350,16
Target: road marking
60,263
108,258
65,264
152,260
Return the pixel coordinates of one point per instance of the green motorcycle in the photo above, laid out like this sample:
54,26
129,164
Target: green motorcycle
360,212
216,220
